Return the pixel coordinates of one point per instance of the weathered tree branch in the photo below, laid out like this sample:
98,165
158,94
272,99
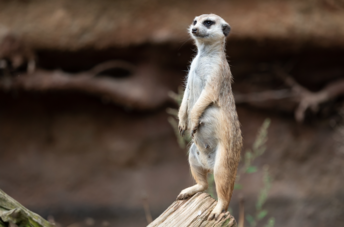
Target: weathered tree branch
142,90
192,213
263,96
308,99
304,98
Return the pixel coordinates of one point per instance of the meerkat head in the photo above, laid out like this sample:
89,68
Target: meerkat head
209,27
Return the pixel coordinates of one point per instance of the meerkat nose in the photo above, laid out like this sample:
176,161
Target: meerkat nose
194,30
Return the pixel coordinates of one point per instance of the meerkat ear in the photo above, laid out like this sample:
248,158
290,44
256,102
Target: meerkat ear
226,29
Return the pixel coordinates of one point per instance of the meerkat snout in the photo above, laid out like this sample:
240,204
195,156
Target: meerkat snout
194,30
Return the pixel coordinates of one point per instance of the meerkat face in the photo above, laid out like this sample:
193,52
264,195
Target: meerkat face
209,27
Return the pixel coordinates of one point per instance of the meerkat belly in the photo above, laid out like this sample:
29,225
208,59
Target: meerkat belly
206,139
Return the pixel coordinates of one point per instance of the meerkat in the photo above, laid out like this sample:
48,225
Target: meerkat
208,112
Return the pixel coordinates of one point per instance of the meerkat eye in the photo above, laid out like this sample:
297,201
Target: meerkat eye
195,22
208,23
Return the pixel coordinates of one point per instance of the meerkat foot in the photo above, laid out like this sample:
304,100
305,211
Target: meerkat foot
218,213
188,192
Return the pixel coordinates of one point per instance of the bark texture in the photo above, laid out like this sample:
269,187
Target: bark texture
193,213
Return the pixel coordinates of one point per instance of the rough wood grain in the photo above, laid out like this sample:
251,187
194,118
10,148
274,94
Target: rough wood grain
192,212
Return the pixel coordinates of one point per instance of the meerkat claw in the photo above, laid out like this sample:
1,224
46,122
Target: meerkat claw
182,197
218,214
211,217
196,128
222,216
181,130
193,131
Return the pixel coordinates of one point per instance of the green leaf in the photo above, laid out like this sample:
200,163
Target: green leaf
173,112
237,186
248,155
262,214
263,194
251,169
250,220
271,223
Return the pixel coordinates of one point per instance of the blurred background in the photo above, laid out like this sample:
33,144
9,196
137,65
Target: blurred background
86,92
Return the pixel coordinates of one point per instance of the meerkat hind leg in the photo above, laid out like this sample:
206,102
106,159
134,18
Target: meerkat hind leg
198,173
224,177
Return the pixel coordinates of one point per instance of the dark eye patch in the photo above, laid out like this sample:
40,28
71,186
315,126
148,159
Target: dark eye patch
195,21
208,23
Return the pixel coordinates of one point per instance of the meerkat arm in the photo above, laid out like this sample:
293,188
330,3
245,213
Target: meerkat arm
183,110
207,97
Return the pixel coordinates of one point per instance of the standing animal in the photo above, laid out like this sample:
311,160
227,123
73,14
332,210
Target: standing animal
208,112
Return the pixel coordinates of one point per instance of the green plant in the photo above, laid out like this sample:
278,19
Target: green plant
258,148
261,213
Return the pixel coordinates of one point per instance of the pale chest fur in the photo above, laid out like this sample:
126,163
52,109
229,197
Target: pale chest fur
202,67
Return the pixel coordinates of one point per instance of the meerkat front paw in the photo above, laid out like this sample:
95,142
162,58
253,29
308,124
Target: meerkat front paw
194,127
218,213
182,126
194,121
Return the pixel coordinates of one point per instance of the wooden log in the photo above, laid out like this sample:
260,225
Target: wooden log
12,212
192,212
